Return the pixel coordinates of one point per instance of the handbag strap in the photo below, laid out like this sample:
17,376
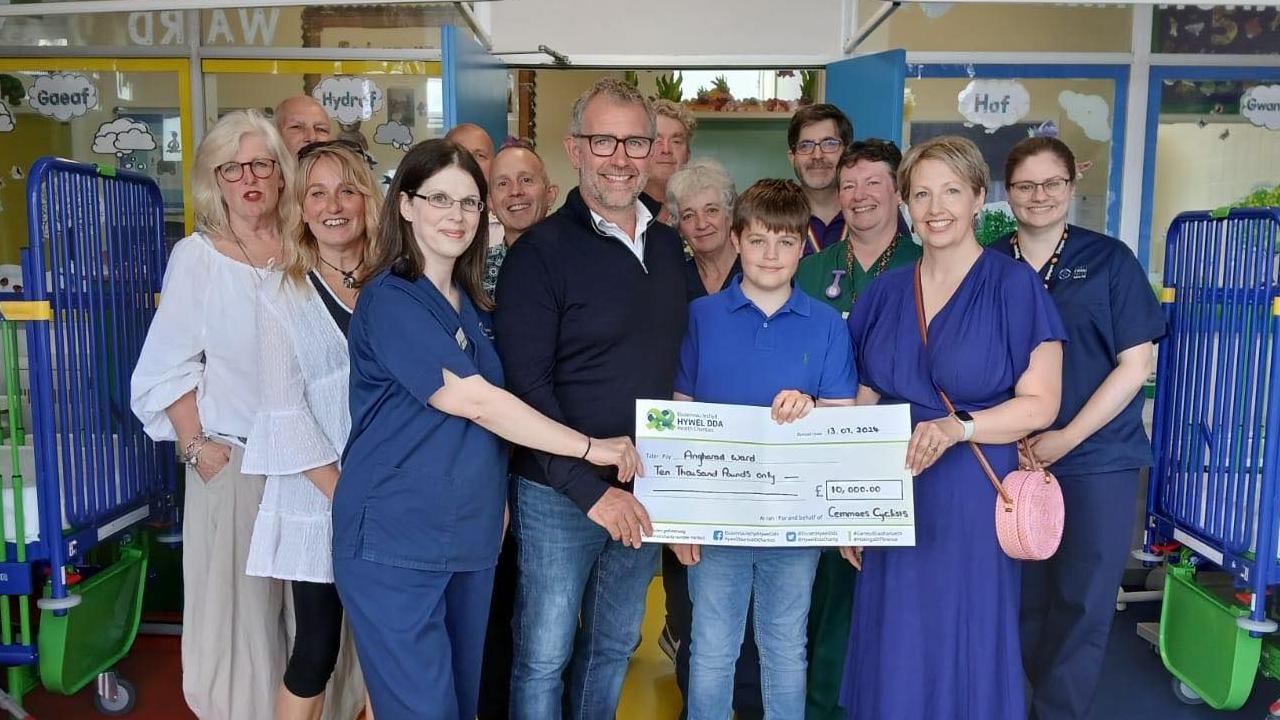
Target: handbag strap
946,401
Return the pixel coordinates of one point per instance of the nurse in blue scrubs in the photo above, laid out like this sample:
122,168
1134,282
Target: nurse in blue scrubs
419,511
1097,446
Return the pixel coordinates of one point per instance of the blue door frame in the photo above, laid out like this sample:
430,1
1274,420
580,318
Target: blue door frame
1158,76
1119,74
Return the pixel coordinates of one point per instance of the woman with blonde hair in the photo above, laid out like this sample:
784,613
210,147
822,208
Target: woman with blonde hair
303,420
196,383
935,626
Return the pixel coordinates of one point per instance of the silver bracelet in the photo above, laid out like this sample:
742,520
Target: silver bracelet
191,453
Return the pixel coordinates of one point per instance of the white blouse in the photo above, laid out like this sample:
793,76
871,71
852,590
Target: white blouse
203,337
302,423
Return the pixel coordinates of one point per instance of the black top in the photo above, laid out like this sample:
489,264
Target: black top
340,314
1107,306
584,330
693,281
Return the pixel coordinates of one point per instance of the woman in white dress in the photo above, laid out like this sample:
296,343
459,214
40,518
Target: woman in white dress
196,383
303,419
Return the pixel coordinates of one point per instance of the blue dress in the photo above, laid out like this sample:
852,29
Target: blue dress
935,627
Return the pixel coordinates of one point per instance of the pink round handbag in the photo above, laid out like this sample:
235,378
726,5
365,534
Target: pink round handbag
1029,509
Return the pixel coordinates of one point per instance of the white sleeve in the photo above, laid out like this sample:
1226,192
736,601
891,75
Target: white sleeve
285,439
171,363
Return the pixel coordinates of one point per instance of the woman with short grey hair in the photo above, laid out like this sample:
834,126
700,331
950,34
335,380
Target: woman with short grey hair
701,196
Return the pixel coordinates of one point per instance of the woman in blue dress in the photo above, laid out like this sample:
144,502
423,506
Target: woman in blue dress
935,626
418,513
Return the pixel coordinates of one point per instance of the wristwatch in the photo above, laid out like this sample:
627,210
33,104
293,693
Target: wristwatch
966,423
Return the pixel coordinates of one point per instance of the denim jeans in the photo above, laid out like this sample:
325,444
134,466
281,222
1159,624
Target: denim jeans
570,568
777,582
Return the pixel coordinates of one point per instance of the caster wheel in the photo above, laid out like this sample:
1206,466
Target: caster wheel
122,705
1185,695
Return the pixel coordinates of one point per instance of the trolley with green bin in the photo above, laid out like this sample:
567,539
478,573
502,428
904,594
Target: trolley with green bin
83,482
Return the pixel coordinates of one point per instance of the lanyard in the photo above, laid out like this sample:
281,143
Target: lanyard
1054,259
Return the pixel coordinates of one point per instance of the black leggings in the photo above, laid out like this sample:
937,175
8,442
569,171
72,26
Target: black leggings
317,613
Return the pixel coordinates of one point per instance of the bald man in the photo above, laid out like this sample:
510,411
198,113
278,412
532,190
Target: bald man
477,141
520,196
302,120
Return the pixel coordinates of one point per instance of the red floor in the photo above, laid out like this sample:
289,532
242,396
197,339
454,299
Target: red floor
154,667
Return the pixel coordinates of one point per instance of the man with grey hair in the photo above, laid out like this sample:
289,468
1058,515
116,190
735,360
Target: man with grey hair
591,313
301,121
675,124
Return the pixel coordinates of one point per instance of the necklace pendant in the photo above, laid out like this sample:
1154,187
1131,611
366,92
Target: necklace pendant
348,280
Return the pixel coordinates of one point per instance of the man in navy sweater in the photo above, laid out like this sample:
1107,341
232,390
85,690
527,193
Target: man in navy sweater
591,312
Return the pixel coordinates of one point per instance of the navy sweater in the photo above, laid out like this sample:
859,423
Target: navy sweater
584,331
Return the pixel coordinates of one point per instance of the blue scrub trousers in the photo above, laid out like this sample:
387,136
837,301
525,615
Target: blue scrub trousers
1068,601
419,635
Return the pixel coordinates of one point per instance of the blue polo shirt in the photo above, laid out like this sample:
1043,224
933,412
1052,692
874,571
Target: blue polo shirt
733,353
1107,306
420,488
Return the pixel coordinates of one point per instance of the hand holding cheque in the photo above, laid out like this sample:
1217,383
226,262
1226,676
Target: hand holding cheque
732,475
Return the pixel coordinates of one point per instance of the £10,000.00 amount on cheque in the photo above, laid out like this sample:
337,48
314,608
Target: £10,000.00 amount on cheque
730,475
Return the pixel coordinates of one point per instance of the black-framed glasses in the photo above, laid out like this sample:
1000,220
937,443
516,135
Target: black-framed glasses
635,146
827,145
470,203
262,168
1053,187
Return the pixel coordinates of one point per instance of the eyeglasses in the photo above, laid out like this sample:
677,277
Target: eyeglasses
470,203
1052,187
828,145
636,146
262,168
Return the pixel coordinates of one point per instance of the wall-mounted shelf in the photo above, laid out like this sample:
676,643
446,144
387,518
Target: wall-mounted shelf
744,115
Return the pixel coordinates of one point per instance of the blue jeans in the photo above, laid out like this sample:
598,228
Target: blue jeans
777,581
569,568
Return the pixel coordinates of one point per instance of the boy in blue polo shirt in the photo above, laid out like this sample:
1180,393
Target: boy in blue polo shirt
759,342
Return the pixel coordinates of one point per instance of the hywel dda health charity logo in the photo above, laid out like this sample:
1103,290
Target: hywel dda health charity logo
660,420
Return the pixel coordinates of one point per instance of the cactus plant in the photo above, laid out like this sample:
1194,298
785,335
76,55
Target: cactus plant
632,78
669,86
808,86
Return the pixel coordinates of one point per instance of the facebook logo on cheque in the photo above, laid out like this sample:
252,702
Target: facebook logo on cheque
717,535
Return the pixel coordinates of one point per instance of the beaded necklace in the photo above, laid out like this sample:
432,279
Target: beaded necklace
1047,278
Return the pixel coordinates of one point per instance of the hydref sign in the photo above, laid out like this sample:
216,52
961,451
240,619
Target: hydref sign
1261,105
993,104
349,99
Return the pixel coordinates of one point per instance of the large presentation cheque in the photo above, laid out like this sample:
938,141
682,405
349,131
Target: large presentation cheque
730,475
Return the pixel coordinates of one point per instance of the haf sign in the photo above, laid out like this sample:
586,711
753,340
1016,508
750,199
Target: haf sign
994,104
349,99
1260,104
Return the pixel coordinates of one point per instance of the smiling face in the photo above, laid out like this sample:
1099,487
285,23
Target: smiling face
251,197
519,191
610,184
670,149
704,221
868,198
332,209
942,205
442,234
769,258
301,121
816,171
1041,208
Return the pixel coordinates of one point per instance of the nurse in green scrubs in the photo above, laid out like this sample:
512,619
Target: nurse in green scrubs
876,239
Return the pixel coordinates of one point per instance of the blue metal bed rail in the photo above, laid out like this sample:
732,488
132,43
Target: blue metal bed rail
1217,427
91,273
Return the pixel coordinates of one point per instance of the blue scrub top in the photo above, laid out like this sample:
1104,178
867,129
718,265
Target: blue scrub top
1107,306
732,353
420,488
